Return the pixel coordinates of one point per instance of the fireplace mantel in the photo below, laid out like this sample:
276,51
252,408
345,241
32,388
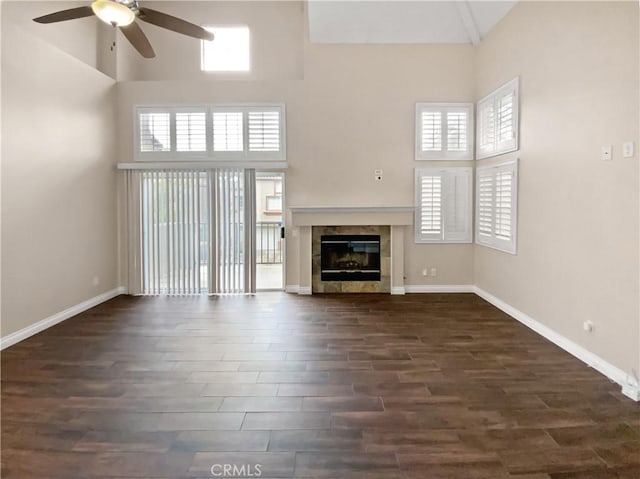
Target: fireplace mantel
397,217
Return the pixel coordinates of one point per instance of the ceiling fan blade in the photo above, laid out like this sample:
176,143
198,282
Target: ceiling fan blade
174,24
138,39
61,16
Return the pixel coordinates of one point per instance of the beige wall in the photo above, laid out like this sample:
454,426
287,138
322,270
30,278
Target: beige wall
350,110
58,178
578,216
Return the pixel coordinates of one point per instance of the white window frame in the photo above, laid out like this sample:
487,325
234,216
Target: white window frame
492,240
486,149
210,154
448,211
444,153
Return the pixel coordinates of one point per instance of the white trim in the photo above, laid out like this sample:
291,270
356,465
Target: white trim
291,288
439,288
352,209
630,387
203,164
46,323
304,290
398,290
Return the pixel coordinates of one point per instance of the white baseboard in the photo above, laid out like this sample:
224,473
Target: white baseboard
291,288
304,290
630,387
398,290
440,288
29,331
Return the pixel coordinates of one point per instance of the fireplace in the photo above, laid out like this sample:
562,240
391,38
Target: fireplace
350,257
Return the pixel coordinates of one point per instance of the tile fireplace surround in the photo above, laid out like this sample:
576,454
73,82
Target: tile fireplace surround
396,218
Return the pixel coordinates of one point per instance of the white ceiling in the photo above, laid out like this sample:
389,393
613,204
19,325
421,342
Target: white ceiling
399,21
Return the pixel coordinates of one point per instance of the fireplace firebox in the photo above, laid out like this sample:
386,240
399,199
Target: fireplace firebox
350,257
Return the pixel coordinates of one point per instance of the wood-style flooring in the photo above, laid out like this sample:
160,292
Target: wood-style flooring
336,386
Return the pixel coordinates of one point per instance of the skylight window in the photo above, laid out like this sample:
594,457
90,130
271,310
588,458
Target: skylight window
228,52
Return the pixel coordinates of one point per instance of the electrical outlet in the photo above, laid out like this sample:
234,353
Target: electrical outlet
96,280
377,175
425,272
607,152
434,272
627,149
588,326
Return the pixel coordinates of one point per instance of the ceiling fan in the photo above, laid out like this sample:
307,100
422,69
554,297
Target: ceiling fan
122,14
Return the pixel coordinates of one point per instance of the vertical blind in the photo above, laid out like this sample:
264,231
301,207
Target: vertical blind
175,241
195,231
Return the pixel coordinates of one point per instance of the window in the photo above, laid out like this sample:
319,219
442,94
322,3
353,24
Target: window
444,131
443,205
219,132
497,113
496,206
228,51
274,204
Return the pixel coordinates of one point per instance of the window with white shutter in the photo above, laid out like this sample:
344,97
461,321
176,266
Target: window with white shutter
252,133
191,131
443,205
228,131
496,205
154,131
444,131
497,130
264,131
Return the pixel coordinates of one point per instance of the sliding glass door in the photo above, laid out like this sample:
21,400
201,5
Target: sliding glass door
208,231
269,228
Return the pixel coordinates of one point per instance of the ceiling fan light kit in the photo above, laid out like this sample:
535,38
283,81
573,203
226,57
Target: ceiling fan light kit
122,14
113,13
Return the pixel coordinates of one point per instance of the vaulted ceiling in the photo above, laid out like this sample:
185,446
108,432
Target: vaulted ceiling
390,21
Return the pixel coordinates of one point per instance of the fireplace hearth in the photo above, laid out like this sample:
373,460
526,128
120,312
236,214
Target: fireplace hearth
350,257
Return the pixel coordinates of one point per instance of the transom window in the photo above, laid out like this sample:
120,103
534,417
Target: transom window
229,51
218,132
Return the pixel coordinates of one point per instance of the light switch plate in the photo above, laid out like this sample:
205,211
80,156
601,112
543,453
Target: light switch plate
606,153
627,149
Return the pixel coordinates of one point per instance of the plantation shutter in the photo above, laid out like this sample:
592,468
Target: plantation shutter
497,114
505,124
443,205
431,137
457,205
486,128
496,206
457,131
503,223
485,203
228,134
443,131
429,211
191,131
264,131
154,132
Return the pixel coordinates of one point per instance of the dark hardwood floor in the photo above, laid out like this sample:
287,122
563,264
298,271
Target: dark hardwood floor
336,386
